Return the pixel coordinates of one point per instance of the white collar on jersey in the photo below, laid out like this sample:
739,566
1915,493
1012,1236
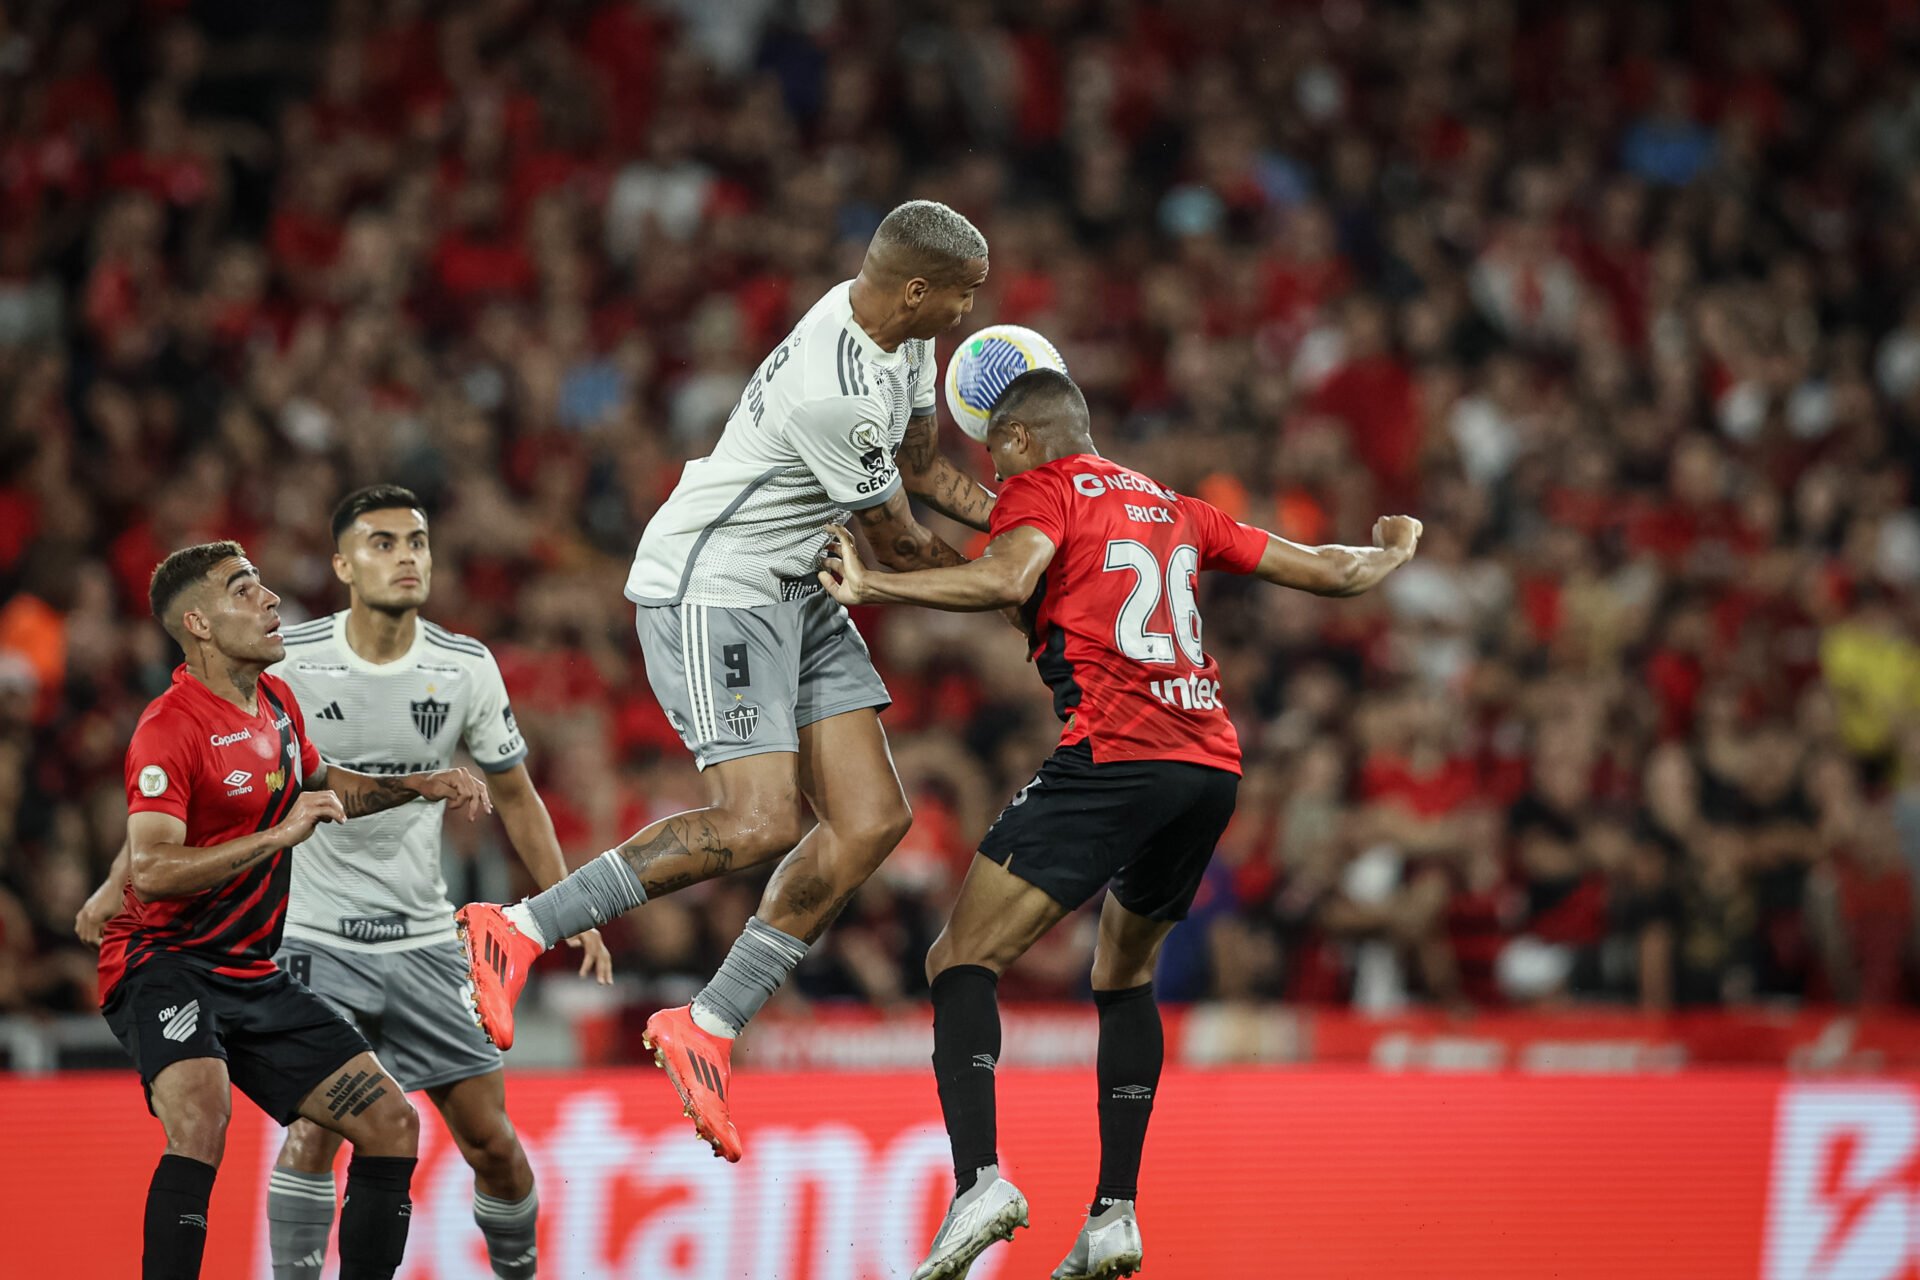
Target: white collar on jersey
405,662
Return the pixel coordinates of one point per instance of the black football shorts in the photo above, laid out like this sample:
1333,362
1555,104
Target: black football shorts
1149,826
279,1039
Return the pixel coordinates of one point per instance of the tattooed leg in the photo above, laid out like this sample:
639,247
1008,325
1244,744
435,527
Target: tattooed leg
362,1104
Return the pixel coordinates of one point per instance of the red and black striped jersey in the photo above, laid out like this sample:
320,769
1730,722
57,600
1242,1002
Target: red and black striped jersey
1116,622
226,774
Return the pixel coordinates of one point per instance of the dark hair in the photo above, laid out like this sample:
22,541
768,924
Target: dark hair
1049,391
184,568
375,497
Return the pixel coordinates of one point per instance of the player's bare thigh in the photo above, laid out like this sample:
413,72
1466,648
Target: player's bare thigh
848,779
367,1107
998,916
193,1099
846,774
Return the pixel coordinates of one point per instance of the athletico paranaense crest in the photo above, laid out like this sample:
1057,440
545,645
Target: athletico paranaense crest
430,717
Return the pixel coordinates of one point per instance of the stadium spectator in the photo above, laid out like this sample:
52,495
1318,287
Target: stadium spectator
1617,298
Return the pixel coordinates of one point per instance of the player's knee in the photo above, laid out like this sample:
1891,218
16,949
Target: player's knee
877,828
494,1154
768,827
197,1129
948,952
308,1148
1120,973
393,1128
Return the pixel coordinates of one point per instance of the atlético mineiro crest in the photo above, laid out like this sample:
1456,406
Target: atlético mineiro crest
430,717
741,720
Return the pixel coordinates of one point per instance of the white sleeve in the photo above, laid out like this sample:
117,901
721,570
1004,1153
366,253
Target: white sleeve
843,443
926,380
492,737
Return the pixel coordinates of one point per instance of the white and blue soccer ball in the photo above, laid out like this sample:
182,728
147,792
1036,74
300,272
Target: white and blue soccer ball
983,366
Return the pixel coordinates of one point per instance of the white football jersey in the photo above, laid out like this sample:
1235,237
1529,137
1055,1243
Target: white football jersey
811,441
375,882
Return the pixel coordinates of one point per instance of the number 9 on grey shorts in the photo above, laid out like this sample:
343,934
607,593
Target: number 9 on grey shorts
744,682
411,1005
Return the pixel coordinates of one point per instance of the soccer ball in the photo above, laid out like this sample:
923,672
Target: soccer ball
983,366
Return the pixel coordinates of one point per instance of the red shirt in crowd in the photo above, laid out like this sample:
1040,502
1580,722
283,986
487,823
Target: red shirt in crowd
1116,628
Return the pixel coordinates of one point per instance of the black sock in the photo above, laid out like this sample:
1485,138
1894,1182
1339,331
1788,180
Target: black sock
966,1049
374,1217
176,1232
1132,1048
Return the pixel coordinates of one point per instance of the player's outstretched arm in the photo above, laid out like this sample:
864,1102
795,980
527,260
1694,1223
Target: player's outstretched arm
930,476
105,902
362,794
162,865
1341,571
1004,576
899,541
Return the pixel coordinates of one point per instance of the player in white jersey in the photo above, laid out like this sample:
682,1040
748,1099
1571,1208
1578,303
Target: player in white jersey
762,673
369,926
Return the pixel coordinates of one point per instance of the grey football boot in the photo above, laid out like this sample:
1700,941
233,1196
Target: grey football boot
988,1211
1108,1246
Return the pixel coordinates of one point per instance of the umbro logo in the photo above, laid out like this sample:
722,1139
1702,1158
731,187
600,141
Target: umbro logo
709,1075
1133,1093
238,778
178,1021
985,1061
332,711
194,1220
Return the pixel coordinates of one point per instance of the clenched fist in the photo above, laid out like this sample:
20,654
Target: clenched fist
1397,533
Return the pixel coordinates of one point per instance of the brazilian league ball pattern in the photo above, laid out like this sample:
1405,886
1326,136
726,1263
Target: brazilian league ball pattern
983,366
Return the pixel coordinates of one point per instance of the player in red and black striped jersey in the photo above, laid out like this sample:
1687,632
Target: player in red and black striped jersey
1103,562
222,783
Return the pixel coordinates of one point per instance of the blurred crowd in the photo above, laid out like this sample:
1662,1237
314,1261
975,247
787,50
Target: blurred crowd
1622,299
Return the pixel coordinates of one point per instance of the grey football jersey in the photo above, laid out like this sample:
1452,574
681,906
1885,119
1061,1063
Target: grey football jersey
376,881
812,439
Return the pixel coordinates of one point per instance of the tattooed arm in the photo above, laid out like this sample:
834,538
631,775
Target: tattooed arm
929,476
162,865
363,793
899,541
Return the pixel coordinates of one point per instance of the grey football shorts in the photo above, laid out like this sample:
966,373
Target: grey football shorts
411,1005
744,682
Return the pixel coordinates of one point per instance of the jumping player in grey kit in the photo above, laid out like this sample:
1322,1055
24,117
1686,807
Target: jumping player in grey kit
763,674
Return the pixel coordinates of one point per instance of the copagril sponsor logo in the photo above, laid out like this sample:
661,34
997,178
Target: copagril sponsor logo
1845,1199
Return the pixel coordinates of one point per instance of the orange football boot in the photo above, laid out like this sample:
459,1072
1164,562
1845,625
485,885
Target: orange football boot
498,958
700,1064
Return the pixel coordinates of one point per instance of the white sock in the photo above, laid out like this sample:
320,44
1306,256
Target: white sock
713,1024
522,919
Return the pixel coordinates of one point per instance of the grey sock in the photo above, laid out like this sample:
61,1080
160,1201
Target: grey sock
759,962
299,1218
604,889
508,1226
